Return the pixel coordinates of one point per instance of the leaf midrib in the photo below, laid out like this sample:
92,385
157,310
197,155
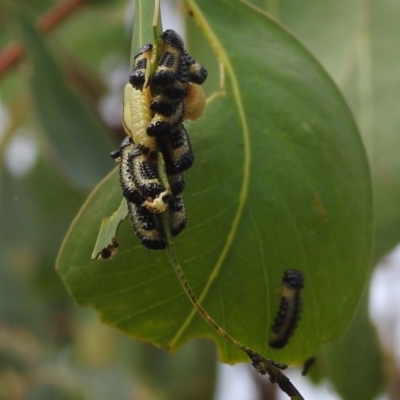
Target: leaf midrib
226,63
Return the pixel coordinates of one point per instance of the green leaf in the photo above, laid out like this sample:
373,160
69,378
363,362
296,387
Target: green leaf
77,138
280,182
142,33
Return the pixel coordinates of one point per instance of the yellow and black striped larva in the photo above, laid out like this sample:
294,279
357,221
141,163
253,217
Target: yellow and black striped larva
136,117
144,223
138,74
290,309
178,151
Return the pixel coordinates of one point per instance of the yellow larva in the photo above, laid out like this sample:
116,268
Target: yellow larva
136,117
289,310
195,102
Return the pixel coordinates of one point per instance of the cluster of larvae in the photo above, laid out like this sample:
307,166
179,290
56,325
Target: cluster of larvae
153,116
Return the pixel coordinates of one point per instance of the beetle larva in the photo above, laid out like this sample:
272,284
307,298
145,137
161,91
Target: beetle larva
138,74
136,117
144,223
289,310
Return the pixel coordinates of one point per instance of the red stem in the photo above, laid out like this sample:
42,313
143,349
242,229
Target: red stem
13,52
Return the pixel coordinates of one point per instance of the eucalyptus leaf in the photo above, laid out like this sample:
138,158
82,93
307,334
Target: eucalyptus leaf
280,182
76,136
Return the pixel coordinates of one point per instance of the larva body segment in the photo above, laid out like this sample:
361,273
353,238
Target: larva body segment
138,74
178,150
168,65
177,215
146,227
136,117
169,98
176,182
290,309
144,175
177,90
162,126
195,102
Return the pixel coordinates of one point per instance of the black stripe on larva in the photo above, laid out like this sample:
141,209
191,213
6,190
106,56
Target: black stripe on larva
290,309
178,150
163,105
137,76
177,215
166,69
162,126
143,174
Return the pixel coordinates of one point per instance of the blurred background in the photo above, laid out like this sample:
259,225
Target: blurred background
52,349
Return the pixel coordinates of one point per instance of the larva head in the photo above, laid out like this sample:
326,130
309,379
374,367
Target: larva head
144,49
115,154
172,38
293,279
